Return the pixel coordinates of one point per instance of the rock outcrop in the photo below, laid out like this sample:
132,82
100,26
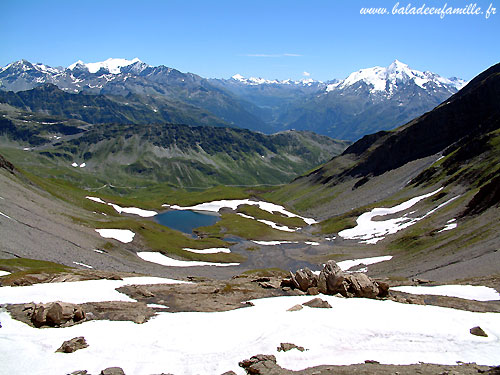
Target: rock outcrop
332,280
286,346
260,364
56,314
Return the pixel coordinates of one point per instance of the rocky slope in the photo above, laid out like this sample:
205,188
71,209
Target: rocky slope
454,147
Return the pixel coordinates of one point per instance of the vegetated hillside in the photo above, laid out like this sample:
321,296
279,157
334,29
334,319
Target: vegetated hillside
386,161
98,109
186,156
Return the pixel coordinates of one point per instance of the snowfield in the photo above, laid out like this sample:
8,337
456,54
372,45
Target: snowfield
188,343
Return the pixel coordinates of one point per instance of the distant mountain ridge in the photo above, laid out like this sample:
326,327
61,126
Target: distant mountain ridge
366,101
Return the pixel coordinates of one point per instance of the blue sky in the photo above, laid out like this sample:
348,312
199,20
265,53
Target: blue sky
271,39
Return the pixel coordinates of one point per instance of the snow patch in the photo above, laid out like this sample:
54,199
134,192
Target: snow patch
156,306
370,231
128,210
273,243
7,216
122,235
4,273
214,250
159,258
345,265
83,265
215,206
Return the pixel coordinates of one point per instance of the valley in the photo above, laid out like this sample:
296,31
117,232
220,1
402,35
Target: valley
85,178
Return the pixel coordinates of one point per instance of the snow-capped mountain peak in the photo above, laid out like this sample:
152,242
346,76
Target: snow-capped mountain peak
253,81
238,77
387,80
112,65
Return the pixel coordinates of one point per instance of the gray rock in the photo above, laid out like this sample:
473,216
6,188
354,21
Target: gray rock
113,371
229,373
79,372
73,345
318,303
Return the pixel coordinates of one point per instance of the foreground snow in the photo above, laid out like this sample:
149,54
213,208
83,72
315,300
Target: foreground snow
154,257
76,292
477,293
212,343
122,235
371,231
215,206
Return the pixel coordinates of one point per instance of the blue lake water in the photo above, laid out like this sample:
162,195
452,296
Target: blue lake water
185,220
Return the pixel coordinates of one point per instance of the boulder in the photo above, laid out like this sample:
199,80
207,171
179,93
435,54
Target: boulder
305,279
56,314
112,371
73,345
478,331
330,278
360,285
318,303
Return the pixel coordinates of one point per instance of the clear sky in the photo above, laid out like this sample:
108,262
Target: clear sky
264,38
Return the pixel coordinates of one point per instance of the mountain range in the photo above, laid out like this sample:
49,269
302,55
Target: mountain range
366,101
